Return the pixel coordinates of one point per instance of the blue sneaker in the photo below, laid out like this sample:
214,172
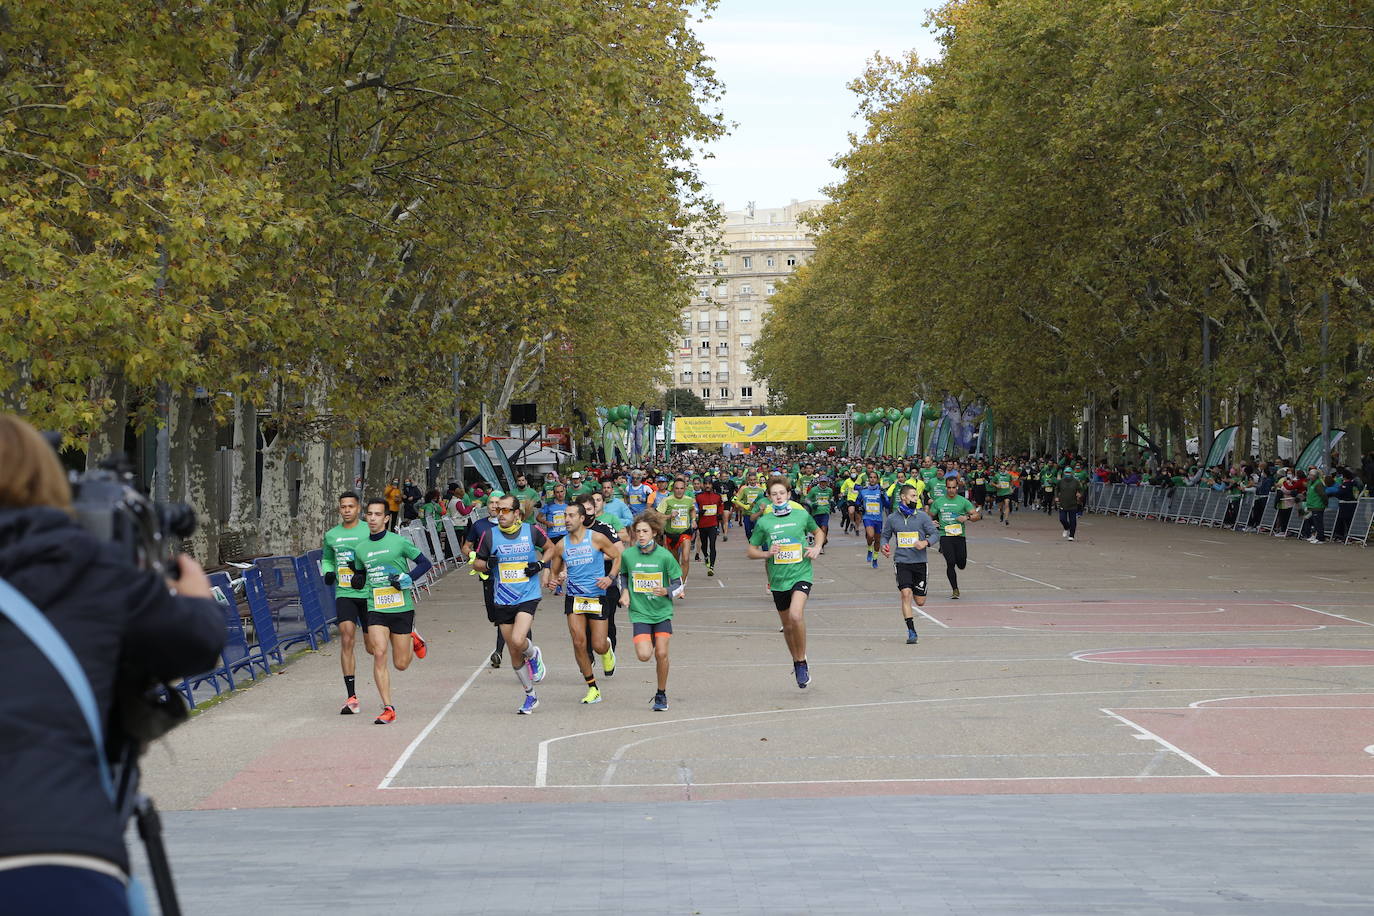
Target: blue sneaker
530,705
911,637
536,666
803,674
875,562
660,703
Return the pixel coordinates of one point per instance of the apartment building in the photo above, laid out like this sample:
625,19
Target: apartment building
760,248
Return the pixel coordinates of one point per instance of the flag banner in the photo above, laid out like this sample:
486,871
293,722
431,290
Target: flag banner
715,430
1311,456
504,464
913,428
1221,446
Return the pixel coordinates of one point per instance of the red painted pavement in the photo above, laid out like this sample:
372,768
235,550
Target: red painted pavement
1232,657
1139,616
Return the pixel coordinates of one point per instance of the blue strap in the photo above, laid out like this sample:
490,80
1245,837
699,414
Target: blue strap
44,635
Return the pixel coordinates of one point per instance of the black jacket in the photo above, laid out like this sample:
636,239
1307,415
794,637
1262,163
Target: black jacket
110,615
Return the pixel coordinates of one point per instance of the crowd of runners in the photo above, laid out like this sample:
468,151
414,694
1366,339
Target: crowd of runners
609,539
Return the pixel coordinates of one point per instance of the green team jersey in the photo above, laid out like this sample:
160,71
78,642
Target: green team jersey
1048,476
431,510
747,496
340,548
619,490
788,534
583,489
1002,480
1081,474
946,511
678,513
932,478
389,555
526,494
820,497
644,573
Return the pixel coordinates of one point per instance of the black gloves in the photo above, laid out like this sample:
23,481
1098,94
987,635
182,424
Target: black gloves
533,568
330,578
358,580
394,579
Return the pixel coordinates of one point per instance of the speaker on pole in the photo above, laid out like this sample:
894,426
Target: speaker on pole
655,418
522,415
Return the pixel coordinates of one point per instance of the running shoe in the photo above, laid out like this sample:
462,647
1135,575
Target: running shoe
911,637
660,703
1064,534
608,662
593,696
710,570
418,643
725,537
536,665
1006,521
803,674
530,705
496,659
875,562
350,707
1071,537
387,717
955,596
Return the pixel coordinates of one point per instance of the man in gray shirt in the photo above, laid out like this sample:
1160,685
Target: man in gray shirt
1069,494
914,531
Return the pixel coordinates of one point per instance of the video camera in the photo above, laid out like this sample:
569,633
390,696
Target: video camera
143,533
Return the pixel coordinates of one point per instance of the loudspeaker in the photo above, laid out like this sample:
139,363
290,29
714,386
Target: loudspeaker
522,414
655,418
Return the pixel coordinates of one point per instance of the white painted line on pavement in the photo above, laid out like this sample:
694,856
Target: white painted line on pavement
938,623
1199,704
1019,576
1329,614
1151,736
424,733
1017,540
1198,555
1329,579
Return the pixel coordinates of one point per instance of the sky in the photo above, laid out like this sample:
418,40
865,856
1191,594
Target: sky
785,65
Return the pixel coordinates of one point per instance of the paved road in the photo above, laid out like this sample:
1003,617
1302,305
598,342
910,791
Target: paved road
1087,701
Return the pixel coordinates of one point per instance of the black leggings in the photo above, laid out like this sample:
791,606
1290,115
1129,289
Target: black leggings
707,538
955,552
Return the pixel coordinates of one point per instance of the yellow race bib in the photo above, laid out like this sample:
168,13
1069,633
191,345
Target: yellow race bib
344,573
872,507
954,529
513,573
582,605
559,520
908,538
385,598
680,517
709,509
645,582
787,554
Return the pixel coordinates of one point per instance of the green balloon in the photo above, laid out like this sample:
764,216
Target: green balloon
893,413
906,413
810,446
930,413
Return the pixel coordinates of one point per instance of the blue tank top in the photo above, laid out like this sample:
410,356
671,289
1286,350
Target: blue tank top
511,556
556,513
585,565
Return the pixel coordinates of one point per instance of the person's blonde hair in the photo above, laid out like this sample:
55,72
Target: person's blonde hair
30,474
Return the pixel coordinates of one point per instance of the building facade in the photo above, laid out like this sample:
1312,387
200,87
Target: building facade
759,249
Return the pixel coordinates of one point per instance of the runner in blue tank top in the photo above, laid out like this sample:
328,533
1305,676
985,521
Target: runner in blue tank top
579,566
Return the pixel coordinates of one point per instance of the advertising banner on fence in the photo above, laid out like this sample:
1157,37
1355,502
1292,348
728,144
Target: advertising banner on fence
740,429
824,427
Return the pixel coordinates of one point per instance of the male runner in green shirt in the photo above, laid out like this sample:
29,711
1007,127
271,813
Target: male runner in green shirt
350,604
951,513
680,516
780,538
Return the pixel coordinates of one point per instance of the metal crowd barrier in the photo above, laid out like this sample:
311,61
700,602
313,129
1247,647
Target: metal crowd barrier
1347,522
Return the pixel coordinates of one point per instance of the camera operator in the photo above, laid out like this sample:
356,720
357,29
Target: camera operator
61,841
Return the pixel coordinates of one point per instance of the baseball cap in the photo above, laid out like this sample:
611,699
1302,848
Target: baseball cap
951,475
576,475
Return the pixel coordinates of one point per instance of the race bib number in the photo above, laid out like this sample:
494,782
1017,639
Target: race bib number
513,573
384,598
679,517
344,574
586,605
709,509
908,538
787,554
871,507
954,529
560,520
646,582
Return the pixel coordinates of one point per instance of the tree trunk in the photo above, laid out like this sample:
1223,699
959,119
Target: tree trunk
1177,436
243,483
274,519
201,488
107,437
313,509
378,471
1245,404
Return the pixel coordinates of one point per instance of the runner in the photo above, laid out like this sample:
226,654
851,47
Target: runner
745,497
609,525
872,503
580,566
779,538
1068,494
951,512
649,582
819,501
384,558
1002,483
552,513
708,507
914,531
511,554
680,514
341,570
638,493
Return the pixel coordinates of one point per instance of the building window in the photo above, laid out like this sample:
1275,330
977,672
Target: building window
723,289
706,394
772,262
723,366
685,376
771,288
705,345
748,263
686,343
746,391
718,263
725,392
722,347
746,340
746,289
746,315
791,261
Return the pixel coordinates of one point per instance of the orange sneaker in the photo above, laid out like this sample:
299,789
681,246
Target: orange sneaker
418,643
387,717
350,707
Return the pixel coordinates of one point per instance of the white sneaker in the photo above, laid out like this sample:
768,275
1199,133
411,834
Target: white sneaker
1313,540
1064,534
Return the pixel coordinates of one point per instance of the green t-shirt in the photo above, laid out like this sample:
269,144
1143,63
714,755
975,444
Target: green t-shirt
1002,480
788,533
678,513
431,510
643,573
748,495
583,489
340,547
820,497
946,511
389,555
526,494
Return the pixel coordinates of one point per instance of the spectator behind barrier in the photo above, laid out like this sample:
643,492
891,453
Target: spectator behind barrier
61,842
